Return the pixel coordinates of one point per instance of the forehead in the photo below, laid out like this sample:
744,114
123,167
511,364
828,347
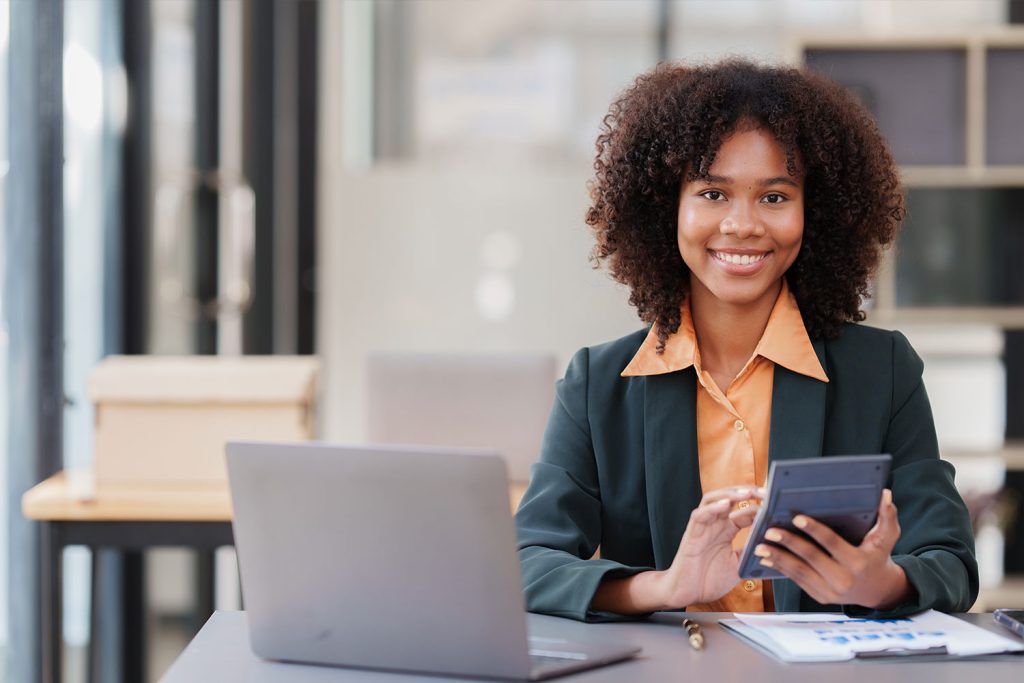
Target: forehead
750,151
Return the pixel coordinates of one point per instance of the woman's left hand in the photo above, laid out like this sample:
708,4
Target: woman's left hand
842,574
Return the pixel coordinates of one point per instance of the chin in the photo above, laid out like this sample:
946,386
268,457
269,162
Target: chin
741,296
739,300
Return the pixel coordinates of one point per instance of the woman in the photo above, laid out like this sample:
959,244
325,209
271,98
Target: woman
745,207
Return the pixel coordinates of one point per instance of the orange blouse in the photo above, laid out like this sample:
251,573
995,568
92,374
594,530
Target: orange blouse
733,427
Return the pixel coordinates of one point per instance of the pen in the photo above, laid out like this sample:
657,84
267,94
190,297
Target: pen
695,634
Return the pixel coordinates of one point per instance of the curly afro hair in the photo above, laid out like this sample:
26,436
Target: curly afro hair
666,129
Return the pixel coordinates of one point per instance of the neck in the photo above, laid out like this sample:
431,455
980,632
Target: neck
728,333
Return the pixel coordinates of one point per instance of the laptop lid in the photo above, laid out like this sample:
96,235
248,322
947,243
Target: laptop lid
379,557
494,401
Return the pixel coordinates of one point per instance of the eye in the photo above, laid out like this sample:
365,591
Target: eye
773,198
713,195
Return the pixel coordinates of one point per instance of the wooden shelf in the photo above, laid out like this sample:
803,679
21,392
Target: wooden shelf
1012,454
962,176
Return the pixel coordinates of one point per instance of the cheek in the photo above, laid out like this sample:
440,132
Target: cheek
788,232
691,232
790,241
794,236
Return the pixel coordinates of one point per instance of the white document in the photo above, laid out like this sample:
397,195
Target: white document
829,637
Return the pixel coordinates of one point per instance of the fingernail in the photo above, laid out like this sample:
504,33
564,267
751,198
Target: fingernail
887,495
773,535
762,551
767,563
800,521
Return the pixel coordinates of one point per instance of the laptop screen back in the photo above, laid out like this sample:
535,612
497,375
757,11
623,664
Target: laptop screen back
378,557
495,401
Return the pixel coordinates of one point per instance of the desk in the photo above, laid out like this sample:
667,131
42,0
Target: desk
129,518
220,653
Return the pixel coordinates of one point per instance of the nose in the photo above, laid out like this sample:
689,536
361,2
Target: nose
742,222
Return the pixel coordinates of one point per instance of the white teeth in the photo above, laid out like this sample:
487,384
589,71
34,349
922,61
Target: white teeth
739,259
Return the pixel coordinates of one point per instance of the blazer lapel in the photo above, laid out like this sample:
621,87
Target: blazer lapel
798,413
670,458
797,431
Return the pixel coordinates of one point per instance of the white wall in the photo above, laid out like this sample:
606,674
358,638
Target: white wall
403,258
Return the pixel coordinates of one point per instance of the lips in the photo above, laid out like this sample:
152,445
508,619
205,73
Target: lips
744,258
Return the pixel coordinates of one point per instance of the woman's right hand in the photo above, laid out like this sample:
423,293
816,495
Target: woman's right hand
706,566
704,569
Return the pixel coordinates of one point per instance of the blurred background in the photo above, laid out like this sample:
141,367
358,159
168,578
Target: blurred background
346,178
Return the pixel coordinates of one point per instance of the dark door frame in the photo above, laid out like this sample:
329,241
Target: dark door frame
33,302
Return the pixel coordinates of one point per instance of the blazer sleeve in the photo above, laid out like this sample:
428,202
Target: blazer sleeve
936,545
559,518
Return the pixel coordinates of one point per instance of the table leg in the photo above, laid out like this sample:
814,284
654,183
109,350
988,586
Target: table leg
133,634
206,575
52,573
93,664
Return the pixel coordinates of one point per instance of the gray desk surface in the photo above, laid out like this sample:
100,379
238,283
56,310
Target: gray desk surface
220,652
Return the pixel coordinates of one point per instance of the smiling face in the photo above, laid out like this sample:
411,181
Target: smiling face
740,228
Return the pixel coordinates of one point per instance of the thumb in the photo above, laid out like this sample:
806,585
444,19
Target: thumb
887,529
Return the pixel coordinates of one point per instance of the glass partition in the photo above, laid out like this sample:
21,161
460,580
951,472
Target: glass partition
94,118
5,9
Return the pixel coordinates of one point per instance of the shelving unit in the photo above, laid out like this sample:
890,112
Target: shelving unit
952,108
948,105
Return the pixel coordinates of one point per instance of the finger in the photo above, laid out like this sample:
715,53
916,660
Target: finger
837,575
886,531
802,574
833,543
732,493
709,524
807,551
743,518
706,514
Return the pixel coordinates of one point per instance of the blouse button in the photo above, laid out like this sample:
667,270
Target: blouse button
749,586
739,425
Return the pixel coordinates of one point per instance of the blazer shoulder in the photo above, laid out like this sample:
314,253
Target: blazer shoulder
864,354
612,357
874,342
593,379
863,336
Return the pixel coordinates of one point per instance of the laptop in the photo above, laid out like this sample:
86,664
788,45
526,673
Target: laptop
380,557
498,401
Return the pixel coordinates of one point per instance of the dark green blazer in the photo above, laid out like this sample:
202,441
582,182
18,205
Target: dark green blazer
618,469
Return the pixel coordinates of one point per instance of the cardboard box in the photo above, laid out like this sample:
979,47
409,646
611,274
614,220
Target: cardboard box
167,418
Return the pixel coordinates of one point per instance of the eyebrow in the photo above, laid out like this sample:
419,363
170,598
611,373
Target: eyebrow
726,180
